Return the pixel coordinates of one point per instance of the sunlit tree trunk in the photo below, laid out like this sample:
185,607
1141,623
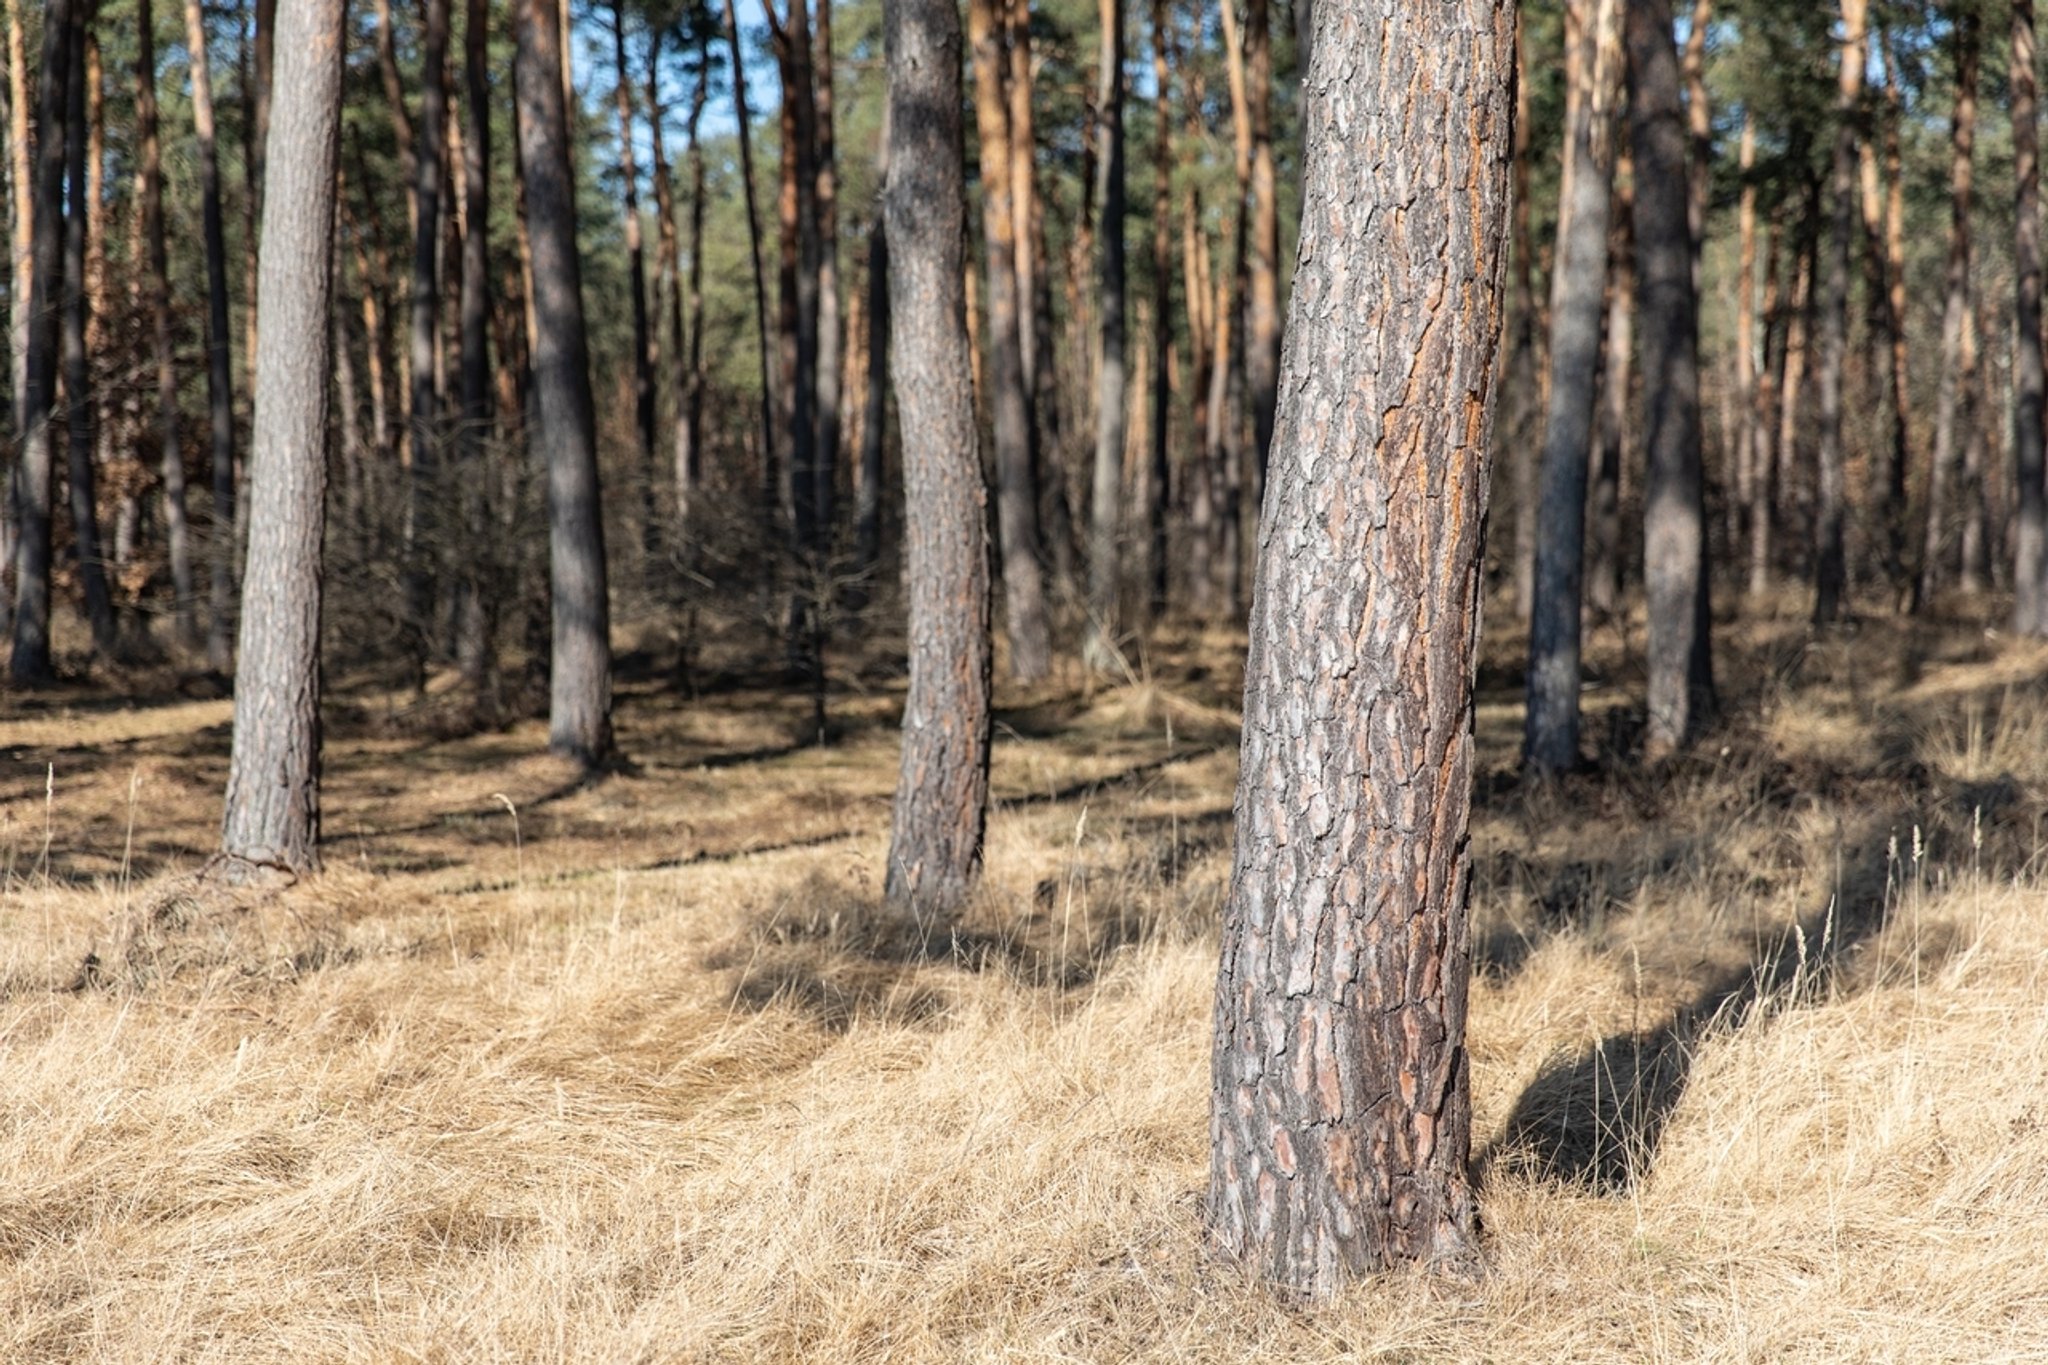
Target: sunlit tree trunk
1159,467
1830,570
1699,130
157,290
743,130
272,816
23,224
1262,330
830,327
1340,1109
1955,313
80,403
2030,530
941,804
220,393
1105,576
580,686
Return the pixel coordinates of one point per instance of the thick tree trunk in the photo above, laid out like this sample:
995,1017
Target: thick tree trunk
272,816
1955,313
1674,513
1340,1110
80,403
1550,742
29,662
1017,538
177,526
1830,568
1105,577
220,392
2030,531
580,684
941,801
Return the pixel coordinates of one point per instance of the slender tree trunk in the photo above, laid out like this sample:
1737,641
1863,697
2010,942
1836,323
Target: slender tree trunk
1550,741
79,399
830,326
743,122
1617,372
1830,572
423,531
1340,1109
797,318
636,282
29,661
1884,208
177,528
1975,547
23,178
1955,313
1681,690
2030,533
1016,491
1262,333
1523,386
1775,485
693,389
272,816
580,687
1227,412
1104,572
941,804
1763,406
476,618
1699,130
1158,491
220,392
1745,336
868,514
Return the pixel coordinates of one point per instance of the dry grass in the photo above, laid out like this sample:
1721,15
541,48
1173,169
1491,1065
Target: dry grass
630,1071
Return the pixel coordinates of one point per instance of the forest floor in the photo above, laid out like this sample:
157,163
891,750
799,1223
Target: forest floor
631,1070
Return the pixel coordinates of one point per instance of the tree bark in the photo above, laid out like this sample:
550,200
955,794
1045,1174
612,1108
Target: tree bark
1524,388
1104,572
636,282
743,129
477,601
1885,255
1340,1110
1617,372
941,803
565,435
1158,480
1830,570
1550,742
1699,130
1955,313
1262,323
2030,531
23,178
1017,536
29,661
272,815
79,399
1681,686
829,325
1775,483
220,393
177,526
423,429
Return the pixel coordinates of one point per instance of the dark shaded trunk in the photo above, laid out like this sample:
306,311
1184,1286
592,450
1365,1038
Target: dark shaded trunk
565,434
157,288
80,404
636,283
1617,376
220,392
425,537
1340,1108
1016,491
1830,566
829,327
743,129
29,660
22,179
1955,313
477,602
1550,742
1262,321
1524,390
2030,529
1681,686
272,816
1104,573
941,804
1158,491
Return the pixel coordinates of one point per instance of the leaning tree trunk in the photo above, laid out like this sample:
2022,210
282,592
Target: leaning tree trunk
1674,509
272,817
1017,539
79,403
1830,567
1550,742
220,391
1104,573
565,435
2030,531
1340,1109
942,790
1955,309
29,658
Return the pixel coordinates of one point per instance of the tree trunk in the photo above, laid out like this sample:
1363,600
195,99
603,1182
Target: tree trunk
29,662
1262,331
1550,741
1681,690
1885,252
23,178
1975,546
1158,492
743,128
1699,130
636,283
1617,370
476,617
1340,1109
177,527
1524,388
1016,491
1227,412
565,435
941,800
868,514
1104,573
798,290
1745,396
1830,568
1774,486
272,815
1955,313
2030,532
79,400
424,538
829,326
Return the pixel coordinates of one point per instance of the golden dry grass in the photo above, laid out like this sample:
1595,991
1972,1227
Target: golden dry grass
631,1071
